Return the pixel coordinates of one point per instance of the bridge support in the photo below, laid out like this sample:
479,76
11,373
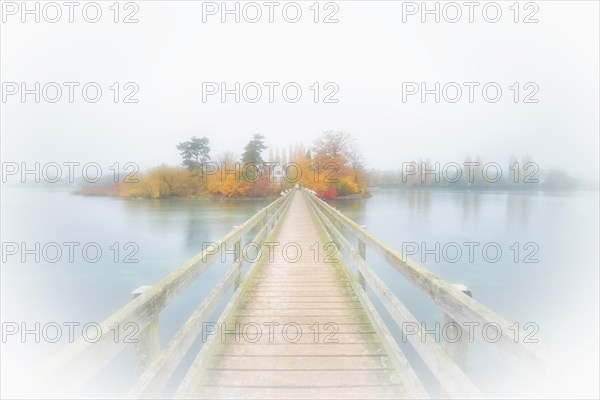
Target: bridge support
148,339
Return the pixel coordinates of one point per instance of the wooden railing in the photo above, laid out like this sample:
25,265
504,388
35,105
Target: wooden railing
80,361
445,360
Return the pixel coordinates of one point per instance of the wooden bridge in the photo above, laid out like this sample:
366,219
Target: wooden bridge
299,324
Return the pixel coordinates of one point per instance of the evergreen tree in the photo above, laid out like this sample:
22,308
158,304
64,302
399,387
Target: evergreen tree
195,153
252,155
253,150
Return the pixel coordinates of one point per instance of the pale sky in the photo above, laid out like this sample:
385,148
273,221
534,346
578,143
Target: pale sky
369,53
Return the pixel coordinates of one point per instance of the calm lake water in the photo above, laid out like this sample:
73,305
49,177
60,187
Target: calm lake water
557,290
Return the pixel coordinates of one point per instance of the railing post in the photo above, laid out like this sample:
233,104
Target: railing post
336,223
458,350
148,339
263,222
362,251
237,250
337,227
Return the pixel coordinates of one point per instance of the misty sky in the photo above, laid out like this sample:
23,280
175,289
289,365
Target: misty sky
368,54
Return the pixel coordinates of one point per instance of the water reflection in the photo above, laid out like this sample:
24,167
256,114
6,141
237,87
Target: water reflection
200,220
419,199
350,206
471,204
518,208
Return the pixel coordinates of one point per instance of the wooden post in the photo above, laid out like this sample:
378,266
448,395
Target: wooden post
237,248
457,350
362,251
336,224
148,339
263,222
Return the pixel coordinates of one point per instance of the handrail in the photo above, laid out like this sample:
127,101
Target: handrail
84,359
452,301
193,374
450,375
412,384
157,374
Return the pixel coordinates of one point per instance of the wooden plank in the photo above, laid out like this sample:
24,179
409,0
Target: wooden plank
298,300
313,281
301,292
285,304
357,392
316,363
312,349
267,335
304,378
309,328
315,312
301,320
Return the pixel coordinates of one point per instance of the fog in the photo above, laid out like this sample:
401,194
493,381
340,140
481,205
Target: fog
368,54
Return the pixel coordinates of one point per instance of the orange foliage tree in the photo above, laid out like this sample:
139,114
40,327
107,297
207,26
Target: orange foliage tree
163,181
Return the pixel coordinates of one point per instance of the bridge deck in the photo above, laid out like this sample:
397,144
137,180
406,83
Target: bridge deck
341,357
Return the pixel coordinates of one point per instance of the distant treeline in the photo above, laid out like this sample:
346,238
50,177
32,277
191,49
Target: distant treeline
474,174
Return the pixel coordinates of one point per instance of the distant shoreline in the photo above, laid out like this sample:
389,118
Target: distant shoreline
104,191
492,188
113,191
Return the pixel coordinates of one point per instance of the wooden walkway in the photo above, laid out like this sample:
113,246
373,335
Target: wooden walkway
329,349
297,327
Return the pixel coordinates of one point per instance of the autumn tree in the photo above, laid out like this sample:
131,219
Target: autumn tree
333,145
227,181
340,163
162,181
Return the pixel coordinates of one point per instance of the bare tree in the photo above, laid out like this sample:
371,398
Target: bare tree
355,158
333,145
